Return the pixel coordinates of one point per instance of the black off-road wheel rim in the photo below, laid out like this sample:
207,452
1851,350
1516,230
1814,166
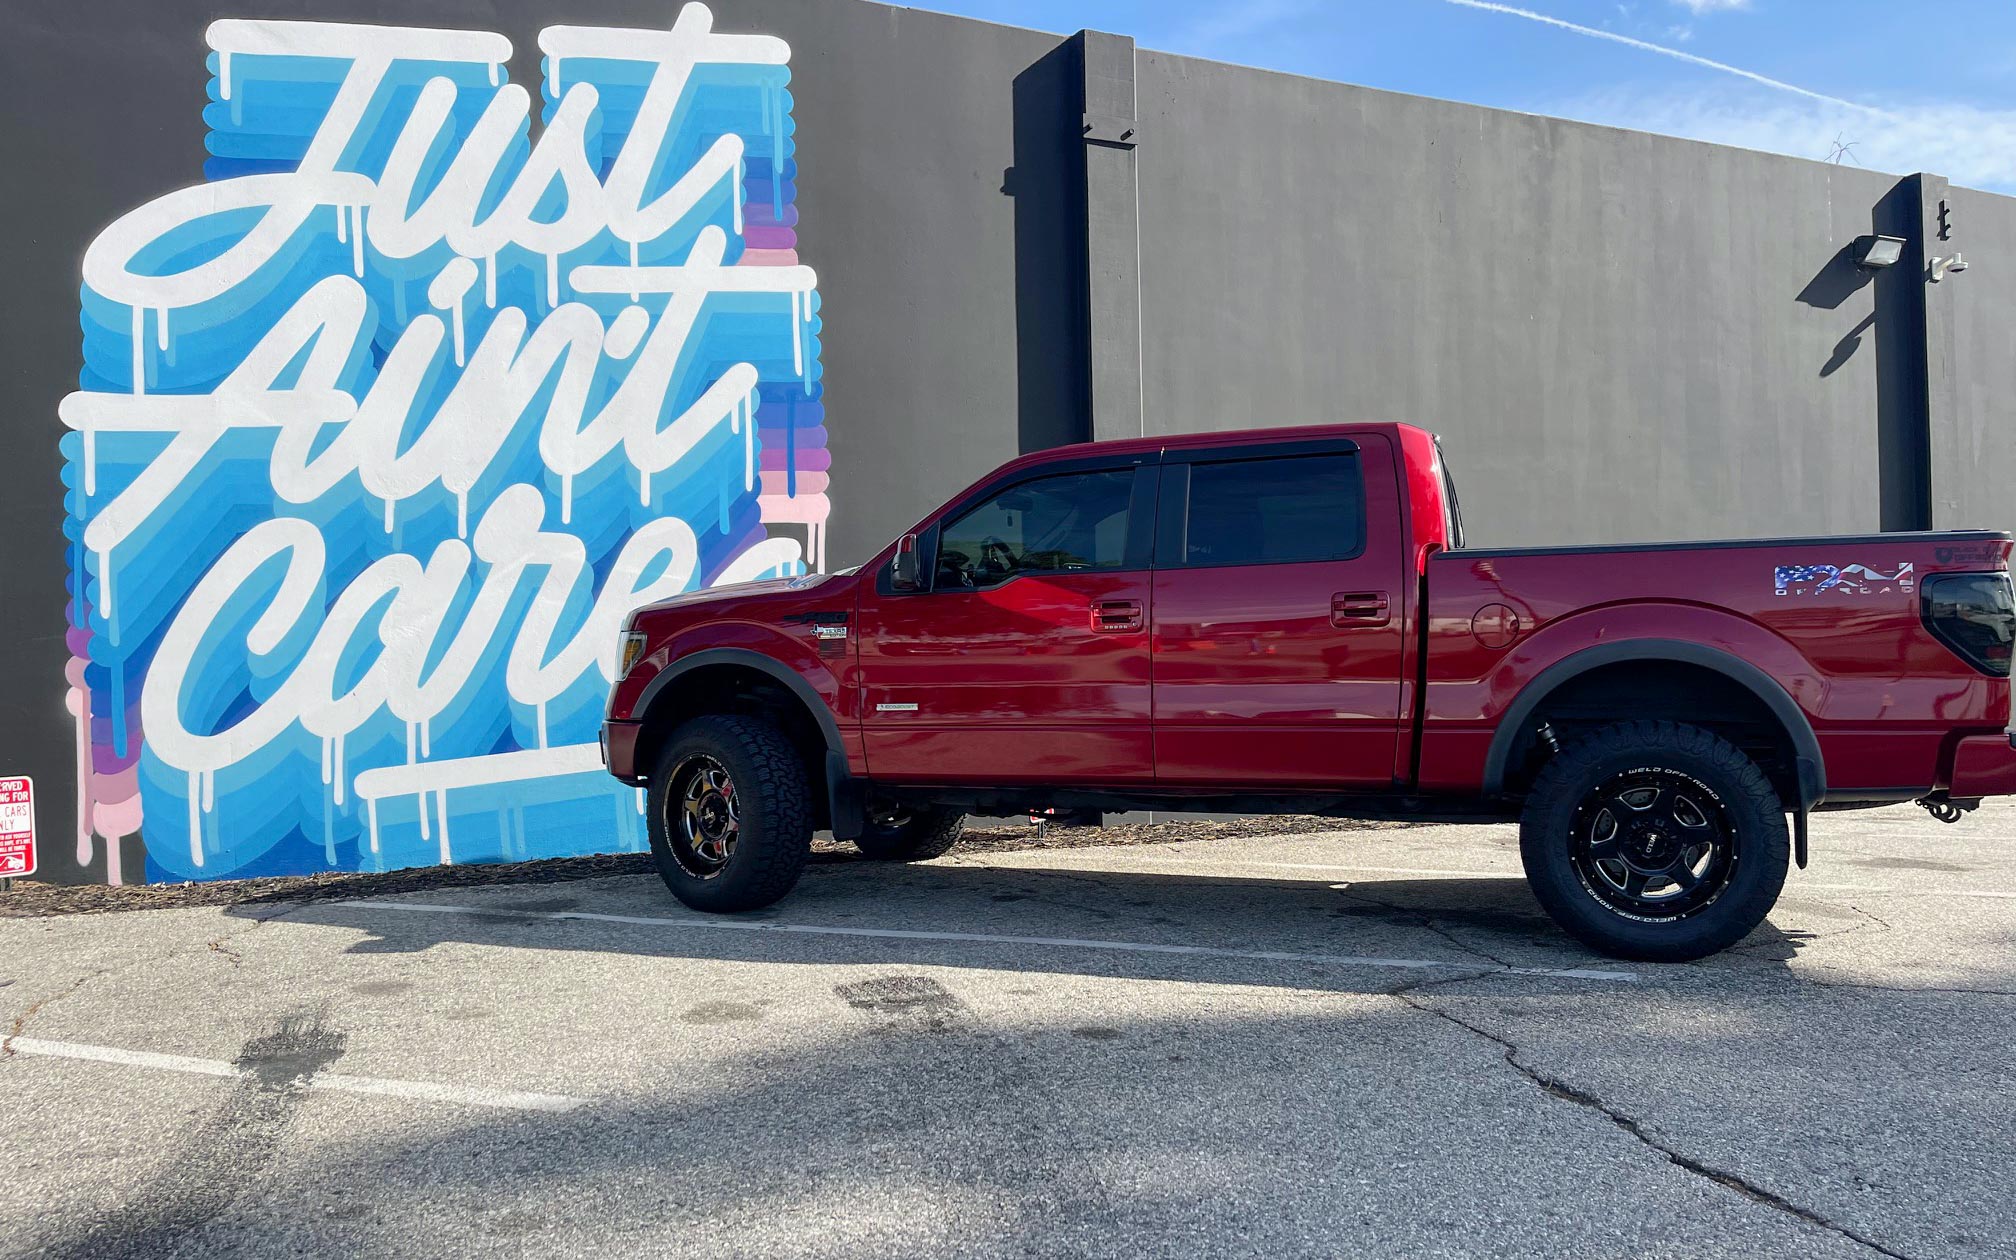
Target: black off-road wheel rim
1653,845
703,818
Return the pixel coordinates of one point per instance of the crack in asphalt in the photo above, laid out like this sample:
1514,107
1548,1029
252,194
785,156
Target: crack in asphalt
1869,914
1818,983
1560,1089
1428,921
1465,946
20,1024
216,945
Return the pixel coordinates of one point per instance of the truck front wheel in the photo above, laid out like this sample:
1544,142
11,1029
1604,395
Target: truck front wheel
730,814
1655,841
913,836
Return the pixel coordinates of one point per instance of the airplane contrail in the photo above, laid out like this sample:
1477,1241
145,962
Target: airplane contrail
1491,6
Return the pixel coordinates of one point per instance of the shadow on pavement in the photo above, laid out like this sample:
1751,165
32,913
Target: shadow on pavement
921,1128
1476,924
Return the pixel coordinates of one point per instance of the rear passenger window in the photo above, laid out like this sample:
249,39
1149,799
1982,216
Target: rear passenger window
1275,511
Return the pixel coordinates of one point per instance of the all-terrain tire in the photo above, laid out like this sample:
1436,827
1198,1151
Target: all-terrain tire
772,805
923,835
1714,780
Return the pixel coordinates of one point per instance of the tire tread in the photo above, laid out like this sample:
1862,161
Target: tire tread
781,799
928,834
1765,846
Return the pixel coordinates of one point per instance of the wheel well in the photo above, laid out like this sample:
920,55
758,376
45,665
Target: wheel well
739,689
1657,690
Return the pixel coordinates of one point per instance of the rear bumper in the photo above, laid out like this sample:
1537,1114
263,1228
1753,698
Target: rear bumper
1983,765
619,749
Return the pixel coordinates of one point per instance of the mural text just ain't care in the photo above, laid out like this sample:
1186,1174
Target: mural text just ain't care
385,425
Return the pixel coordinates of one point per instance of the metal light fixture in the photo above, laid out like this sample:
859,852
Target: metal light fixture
1877,252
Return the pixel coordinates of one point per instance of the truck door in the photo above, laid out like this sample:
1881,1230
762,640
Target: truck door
1026,658
1277,615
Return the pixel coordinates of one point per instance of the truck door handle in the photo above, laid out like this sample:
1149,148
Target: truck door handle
1116,616
1360,608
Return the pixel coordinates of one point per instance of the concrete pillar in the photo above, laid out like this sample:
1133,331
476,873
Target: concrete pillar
1112,235
1916,391
1944,452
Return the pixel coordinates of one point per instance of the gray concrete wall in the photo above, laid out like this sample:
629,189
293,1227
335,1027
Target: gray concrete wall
1619,335
1974,455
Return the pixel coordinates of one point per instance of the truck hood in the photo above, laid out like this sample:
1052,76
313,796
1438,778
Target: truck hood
803,583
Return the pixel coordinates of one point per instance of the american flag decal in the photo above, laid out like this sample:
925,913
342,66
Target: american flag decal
1853,579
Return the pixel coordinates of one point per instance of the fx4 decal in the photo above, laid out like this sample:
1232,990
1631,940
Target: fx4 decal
1851,579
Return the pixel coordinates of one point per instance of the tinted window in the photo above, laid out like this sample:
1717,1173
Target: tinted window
1275,511
1068,523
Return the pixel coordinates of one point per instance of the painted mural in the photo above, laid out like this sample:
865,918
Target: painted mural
384,426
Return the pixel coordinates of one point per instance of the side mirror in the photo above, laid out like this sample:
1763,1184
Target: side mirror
903,574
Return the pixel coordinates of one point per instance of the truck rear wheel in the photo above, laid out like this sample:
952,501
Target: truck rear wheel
730,814
1655,841
913,836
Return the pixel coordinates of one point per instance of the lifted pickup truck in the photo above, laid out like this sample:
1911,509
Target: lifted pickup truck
1288,621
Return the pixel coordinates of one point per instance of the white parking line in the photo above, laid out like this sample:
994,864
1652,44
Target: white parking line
986,938
426,1091
1233,863
1980,894
1795,883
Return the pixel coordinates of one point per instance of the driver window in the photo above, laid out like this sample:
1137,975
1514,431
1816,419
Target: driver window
1068,523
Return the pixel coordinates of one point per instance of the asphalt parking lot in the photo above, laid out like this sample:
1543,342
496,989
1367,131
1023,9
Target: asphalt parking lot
1348,1043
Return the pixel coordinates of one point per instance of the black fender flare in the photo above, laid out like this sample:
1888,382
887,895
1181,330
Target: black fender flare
844,809
1810,767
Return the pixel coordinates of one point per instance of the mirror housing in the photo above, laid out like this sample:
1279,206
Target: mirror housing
903,574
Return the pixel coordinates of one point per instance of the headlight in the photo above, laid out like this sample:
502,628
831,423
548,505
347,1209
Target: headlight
632,651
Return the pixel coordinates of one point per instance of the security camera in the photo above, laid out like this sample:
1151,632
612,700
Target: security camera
1941,267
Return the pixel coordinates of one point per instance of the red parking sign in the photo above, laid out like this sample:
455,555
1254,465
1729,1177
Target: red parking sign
17,828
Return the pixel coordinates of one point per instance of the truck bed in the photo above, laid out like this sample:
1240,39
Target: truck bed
1834,622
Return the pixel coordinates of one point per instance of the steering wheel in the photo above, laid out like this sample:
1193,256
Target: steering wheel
955,567
996,556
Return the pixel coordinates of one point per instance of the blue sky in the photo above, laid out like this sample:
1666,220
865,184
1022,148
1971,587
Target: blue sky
1929,85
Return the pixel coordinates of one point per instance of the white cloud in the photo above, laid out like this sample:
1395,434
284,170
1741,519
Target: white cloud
1971,146
1721,67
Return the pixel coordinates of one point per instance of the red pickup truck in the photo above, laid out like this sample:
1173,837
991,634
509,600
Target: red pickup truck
1288,621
